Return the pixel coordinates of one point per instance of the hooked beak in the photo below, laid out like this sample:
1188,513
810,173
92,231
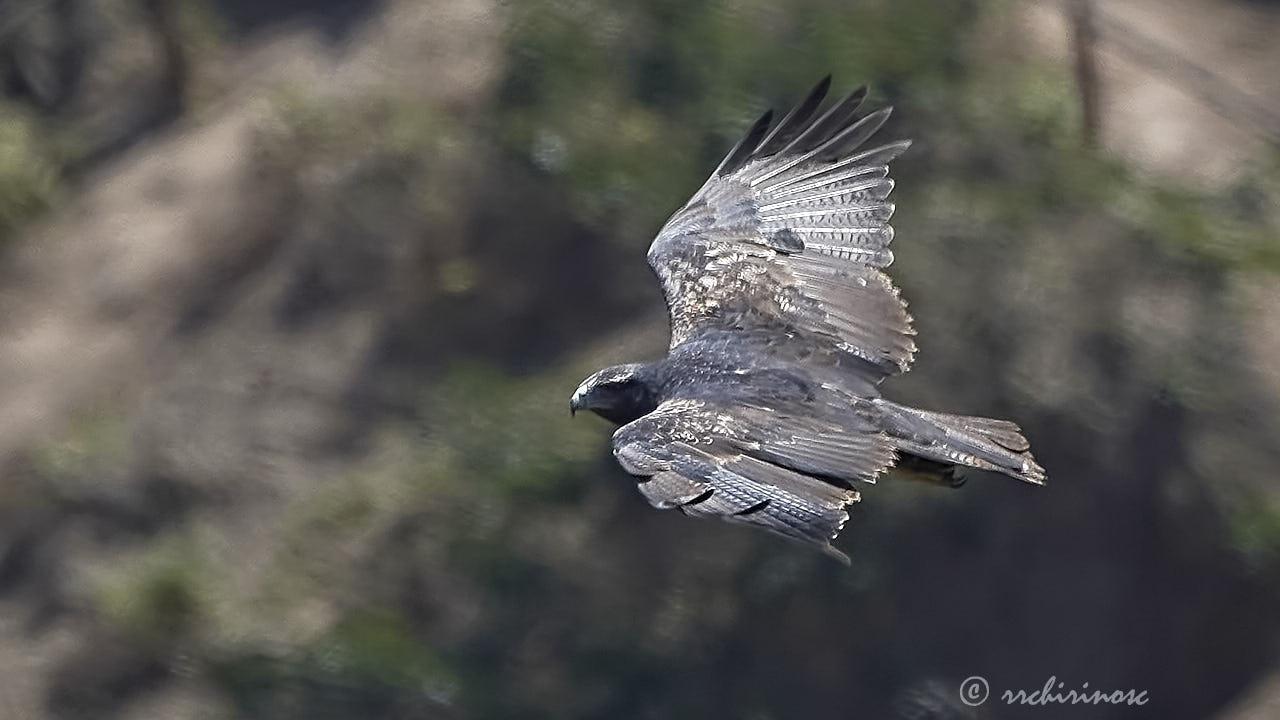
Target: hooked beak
573,406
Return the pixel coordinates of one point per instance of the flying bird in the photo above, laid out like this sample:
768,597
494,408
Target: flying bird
767,408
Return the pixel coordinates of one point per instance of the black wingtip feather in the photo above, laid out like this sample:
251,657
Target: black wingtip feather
829,123
794,122
851,137
743,151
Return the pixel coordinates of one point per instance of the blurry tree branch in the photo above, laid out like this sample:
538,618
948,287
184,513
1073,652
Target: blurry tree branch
163,17
1084,40
1218,93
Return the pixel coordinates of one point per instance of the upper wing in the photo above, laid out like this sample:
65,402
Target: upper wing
789,233
753,465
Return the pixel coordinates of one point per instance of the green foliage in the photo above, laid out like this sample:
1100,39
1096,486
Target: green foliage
1222,229
368,663
382,647
1255,530
28,169
158,597
96,442
615,100
494,428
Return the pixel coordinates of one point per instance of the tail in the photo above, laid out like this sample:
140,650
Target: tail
961,440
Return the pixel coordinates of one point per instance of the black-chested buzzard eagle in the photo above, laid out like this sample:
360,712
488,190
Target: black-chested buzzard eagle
767,408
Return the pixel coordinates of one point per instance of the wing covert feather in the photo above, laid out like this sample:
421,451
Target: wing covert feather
749,465
789,234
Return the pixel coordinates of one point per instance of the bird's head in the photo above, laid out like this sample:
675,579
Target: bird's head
619,394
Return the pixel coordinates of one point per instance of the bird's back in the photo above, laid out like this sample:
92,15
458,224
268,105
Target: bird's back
775,369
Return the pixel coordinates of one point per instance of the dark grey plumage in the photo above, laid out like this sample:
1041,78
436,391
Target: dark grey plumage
767,407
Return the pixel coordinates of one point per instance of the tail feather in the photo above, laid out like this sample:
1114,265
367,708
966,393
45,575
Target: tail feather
1004,432
984,443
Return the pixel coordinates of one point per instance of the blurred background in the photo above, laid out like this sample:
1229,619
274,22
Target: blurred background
293,295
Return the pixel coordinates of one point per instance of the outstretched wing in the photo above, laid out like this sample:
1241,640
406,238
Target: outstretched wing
787,474
790,233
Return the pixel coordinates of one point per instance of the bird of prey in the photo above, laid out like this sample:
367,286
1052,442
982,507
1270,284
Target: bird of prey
767,408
